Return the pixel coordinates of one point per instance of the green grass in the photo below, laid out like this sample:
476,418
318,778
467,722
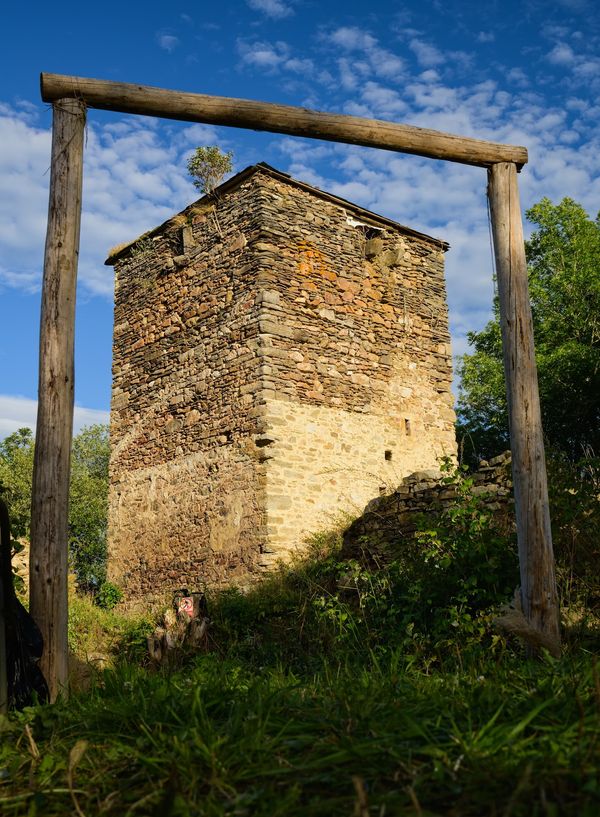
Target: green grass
333,688
220,738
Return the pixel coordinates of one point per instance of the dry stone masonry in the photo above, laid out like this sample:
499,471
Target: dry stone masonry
388,521
280,356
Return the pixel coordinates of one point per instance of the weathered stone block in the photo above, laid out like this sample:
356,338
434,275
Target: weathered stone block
373,247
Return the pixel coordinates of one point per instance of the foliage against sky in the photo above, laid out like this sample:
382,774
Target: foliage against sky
563,256
522,72
88,496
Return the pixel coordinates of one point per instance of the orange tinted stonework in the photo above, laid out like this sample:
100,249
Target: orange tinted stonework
280,356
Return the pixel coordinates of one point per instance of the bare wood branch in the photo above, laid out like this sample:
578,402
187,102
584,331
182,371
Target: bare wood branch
50,494
538,584
265,116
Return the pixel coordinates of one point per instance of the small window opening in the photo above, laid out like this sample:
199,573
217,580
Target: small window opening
388,455
407,427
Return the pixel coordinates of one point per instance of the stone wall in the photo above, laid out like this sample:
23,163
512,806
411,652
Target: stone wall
356,360
388,520
276,362
187,485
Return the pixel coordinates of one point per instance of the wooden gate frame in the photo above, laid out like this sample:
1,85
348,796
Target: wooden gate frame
70,97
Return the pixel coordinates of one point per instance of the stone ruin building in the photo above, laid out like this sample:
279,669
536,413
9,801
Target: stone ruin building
280,356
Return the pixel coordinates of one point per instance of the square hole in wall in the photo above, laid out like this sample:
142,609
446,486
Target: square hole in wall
388,455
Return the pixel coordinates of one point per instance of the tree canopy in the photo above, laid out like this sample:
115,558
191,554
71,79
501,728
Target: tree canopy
88,496
208,166
563,257
16,467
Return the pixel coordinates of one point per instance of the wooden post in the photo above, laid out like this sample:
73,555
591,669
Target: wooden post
538,584
3,657
50,494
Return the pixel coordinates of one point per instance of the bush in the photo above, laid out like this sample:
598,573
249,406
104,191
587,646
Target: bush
108,596
444,586
114,635
574,493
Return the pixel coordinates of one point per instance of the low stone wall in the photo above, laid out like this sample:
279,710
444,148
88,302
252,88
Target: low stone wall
390,519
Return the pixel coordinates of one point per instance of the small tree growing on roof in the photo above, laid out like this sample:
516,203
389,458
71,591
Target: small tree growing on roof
207,166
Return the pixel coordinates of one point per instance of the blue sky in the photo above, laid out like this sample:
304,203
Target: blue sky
526,73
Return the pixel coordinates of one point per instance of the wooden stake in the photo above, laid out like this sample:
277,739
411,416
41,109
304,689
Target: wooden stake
48,568
265,116
538,584
3,656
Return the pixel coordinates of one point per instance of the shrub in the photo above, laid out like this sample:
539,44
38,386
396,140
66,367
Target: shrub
108,596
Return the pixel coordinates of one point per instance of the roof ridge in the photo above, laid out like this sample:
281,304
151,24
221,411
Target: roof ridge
237,179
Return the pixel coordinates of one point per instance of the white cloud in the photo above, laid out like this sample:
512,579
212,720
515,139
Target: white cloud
276,9
518,77
134,178
298,66
272,57
264,55
561,54
575,5
380,61
352,38
21,412
168,42
27,280
580,60
348,74
24,179
386,101
486,37
427,55
429,76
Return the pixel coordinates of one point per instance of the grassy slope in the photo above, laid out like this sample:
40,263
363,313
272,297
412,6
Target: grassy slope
391,696
219,739
237,732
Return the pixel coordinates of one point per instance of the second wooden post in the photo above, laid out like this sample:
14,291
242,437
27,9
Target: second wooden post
536,558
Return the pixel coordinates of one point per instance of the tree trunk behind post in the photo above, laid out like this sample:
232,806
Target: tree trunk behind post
48,568
538,584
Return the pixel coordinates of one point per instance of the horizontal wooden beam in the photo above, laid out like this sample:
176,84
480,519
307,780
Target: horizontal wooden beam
265,116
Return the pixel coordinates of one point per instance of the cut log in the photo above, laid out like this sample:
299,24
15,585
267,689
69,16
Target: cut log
266,116
539,597
50,491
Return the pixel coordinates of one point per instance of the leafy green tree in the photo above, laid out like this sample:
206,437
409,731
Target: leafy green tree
208,166
88,496
88,505
563,258
16,466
